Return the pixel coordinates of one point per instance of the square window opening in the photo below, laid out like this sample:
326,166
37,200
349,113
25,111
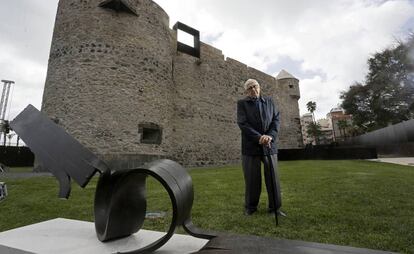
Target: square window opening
185,38
150,134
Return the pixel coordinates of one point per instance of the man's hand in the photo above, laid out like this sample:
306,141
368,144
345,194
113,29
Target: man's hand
265,140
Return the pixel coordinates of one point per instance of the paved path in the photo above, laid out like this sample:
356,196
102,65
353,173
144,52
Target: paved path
407,161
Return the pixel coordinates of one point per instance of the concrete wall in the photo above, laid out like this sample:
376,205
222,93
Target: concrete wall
110,73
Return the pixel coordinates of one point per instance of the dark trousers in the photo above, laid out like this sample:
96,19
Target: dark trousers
253,181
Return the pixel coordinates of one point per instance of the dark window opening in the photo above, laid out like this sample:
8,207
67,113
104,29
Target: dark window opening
150,133
118,6
290,86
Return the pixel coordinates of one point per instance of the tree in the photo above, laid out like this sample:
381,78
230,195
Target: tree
311,106
314,130
357,101
387,94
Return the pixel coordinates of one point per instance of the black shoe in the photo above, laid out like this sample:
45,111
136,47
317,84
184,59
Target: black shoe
279,213
249,211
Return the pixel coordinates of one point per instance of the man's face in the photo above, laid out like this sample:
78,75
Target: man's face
253,91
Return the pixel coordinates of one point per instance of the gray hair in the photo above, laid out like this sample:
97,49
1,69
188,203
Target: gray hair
250,82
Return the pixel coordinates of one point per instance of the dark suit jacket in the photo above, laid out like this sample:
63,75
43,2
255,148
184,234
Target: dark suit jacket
254,124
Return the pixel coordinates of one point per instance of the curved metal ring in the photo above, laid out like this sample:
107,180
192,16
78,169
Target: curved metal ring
120,202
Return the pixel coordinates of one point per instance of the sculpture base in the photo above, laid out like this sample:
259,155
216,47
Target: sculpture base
66,236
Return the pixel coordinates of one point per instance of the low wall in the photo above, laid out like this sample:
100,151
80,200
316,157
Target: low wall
328,153
13,156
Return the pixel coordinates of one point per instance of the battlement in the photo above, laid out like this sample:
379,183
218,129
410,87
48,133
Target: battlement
209,52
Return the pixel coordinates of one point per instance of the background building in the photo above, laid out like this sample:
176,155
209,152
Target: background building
326,137
305,120
335,128
341,124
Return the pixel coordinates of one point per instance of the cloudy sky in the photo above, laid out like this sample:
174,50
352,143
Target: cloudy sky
323,43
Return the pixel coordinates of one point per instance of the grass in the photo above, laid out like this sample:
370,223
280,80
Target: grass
354,203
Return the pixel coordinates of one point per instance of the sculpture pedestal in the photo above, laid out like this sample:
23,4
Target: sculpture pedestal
65,236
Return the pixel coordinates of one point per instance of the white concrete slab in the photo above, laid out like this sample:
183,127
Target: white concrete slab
66,236
407,161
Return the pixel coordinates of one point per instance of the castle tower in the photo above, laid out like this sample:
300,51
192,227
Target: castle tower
290,136
110,75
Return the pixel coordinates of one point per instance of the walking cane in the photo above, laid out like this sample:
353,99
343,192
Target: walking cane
272,182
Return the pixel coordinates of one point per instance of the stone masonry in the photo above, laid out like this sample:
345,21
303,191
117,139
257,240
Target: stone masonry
117,83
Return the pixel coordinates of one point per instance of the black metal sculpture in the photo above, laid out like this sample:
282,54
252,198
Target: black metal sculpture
120,199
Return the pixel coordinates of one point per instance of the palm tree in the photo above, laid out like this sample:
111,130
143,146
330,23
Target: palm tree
343,125
314,130
311,106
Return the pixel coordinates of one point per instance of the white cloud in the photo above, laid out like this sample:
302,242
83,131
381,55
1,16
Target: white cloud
26,28
29,77
325,92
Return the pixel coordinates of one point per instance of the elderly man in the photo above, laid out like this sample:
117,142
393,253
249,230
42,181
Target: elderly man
258,120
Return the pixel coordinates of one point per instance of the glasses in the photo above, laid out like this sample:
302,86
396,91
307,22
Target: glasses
252,86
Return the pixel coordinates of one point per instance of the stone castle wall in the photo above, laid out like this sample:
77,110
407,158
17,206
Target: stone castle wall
112,74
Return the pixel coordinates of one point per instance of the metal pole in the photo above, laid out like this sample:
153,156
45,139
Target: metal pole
3,105
2,97
6,100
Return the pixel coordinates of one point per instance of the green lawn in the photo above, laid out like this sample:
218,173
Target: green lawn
355,203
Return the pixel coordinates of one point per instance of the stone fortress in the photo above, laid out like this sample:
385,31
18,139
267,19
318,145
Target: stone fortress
118,84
